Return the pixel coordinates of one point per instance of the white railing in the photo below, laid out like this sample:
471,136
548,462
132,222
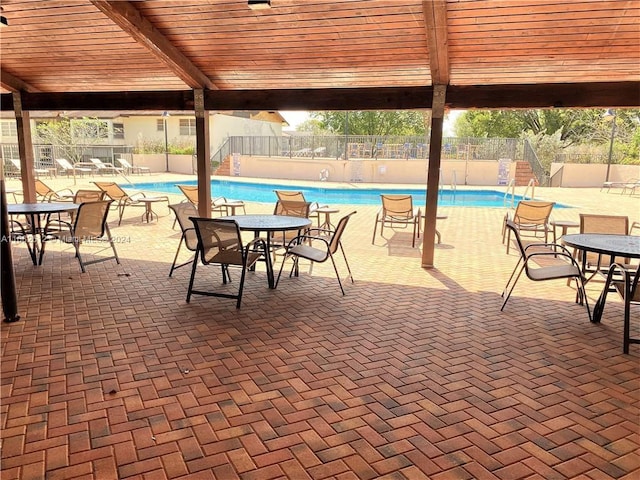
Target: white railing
532,184
511,187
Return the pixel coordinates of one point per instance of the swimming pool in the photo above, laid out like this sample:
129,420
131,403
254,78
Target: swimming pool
263,192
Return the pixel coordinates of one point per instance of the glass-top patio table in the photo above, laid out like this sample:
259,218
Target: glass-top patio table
626,246
34,212
268,224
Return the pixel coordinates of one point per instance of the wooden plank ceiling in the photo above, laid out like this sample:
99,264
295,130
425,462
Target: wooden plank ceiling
117,46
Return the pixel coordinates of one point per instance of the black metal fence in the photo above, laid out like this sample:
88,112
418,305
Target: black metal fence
365,146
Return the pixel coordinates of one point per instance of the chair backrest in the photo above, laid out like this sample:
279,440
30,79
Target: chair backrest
91,219
337,235
42,189
64,163
290,195
112,190
219,241
397,206
292,208
184,211
596,223
84,196
532,212
516,234
191,192
98,163
124,162
16,164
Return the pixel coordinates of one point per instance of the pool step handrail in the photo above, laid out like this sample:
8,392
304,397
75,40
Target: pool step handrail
454,181
532,185
511,187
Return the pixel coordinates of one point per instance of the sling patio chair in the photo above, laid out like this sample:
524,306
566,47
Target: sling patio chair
47,194
128,168
318,245
105,168
592,262
220,243
559,264
398,210
88,226
291,208
117,194
624,281
221,205
184,212
531,218
298,196
70,169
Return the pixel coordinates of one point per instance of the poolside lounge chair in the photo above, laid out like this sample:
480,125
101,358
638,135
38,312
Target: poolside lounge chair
128,168
221,205
90,223
624,281
69,169
609,185
318,245
38,171
562,265
105,168
184,211
123,199
220,243
632,187
398,210
531,217
46,194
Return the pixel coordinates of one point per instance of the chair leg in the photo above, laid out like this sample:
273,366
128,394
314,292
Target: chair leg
240,290
375,227
508,290
583,295
175,259
335,268
193,276
76,245
113,245
346,263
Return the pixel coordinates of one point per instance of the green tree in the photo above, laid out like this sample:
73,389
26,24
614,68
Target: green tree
377,123
70,135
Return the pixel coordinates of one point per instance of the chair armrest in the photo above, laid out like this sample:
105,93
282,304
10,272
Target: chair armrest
301,238
134,196
552,245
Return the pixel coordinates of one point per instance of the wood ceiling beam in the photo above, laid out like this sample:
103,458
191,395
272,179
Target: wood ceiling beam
562,95
15,84
129,18
435,15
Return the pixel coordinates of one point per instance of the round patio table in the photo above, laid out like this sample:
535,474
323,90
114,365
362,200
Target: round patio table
627,246
34,211
268,223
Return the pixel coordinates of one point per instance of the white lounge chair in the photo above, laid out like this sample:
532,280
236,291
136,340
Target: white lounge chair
39,171
69,169
128,168
105,167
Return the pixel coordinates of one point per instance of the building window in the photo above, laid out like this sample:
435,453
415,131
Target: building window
118,130
160,125
9,129
188,126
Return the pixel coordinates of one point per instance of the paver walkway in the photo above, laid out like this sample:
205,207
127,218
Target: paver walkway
413,374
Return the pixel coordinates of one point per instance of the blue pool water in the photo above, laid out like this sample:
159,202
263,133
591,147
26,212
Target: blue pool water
264,192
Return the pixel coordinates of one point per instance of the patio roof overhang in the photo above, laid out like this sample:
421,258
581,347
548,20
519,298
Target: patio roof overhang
317,55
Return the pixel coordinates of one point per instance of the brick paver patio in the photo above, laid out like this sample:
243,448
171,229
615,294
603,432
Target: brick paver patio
413,374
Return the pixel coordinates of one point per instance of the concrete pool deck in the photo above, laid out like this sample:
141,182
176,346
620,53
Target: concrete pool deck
413,374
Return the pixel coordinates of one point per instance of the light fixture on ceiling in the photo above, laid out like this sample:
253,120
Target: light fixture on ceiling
259,4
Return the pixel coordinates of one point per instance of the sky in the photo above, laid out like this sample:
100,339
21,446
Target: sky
295,118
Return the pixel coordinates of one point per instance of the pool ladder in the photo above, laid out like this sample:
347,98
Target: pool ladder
511,188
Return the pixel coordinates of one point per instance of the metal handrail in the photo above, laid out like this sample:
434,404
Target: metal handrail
511,186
